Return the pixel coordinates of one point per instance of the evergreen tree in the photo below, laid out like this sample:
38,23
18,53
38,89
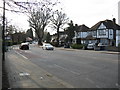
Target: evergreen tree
70,31
30,33
48,37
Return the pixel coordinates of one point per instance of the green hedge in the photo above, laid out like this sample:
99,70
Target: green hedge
54,43
119,45
77,46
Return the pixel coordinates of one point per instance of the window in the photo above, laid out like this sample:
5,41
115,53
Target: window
104,41
102,32
111,32
94,33
118,33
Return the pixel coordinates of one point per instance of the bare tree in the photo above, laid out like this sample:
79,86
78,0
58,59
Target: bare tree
29,33
58,20
38,20
39,13
40,17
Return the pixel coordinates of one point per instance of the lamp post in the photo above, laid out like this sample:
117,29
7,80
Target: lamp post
3,33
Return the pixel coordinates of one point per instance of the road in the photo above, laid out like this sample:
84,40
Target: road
72,68
0,61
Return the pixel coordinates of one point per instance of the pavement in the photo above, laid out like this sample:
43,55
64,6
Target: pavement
22,73
101,51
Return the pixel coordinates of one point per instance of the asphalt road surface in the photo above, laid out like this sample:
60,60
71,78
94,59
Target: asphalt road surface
0,62
77,68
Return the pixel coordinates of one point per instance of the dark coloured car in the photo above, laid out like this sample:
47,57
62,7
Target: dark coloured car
66,45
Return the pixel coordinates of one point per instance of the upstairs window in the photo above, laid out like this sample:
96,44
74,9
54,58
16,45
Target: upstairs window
111,32
102,32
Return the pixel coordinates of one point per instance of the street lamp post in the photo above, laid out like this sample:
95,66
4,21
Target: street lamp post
3,33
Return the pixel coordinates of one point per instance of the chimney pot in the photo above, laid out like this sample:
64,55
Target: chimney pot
114,20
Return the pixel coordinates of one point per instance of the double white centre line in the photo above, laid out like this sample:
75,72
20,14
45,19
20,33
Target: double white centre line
67,69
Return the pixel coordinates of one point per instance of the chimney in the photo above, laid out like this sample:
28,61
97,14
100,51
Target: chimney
114,20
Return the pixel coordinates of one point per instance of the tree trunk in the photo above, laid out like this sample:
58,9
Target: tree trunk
39,41
58,36
38,36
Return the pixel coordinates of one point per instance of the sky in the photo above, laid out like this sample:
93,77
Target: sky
87,12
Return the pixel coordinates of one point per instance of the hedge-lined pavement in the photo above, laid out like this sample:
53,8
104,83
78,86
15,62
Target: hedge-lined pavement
71,49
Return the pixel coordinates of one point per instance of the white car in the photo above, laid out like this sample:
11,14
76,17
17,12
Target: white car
47,47
91,46
101,44
24,46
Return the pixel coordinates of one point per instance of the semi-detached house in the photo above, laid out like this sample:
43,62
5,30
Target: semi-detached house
106,32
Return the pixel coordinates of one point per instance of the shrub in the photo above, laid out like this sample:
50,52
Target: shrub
8,43
119,45
77,46
54,43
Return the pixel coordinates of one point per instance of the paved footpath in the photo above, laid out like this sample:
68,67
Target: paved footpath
24,74
101,51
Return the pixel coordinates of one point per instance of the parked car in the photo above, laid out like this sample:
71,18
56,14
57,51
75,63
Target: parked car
24,46
47,47
91,46
101,46
66,45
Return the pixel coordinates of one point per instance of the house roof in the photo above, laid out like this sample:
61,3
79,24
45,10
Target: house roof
108,23
83,28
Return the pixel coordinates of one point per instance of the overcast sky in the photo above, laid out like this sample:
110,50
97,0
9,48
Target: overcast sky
87,12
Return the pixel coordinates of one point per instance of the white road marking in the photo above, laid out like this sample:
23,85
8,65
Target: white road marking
67,69
28,51
24,74
21,55
98,86
90,80
117,85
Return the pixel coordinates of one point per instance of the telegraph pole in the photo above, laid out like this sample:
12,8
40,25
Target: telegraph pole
3,33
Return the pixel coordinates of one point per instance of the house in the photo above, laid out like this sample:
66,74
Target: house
81,35
0,32
62,37
106,32
119,12
18,37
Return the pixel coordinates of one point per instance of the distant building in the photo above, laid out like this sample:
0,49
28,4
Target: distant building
119,12
62,37
0,32
18,37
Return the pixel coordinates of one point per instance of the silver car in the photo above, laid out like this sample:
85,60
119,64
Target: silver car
47,47
91,46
